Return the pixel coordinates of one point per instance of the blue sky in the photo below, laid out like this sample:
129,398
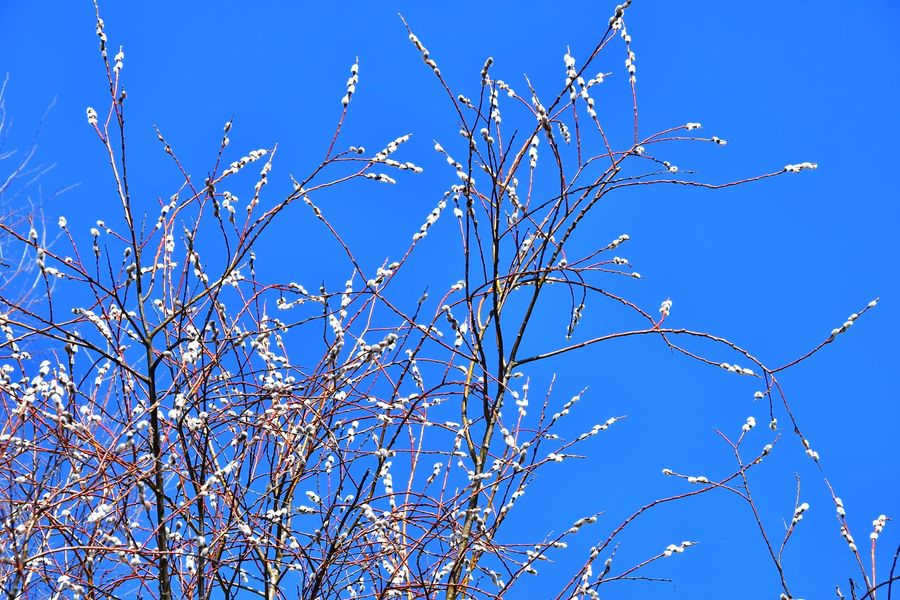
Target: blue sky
774,266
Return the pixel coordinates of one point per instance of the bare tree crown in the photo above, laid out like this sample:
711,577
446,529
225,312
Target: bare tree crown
175,426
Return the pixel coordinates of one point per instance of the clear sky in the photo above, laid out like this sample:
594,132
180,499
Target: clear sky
774,266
